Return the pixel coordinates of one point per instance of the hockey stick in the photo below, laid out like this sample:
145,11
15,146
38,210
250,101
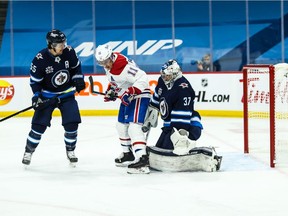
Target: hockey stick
147,134
92,87
14,114
30,107
101,93
24,110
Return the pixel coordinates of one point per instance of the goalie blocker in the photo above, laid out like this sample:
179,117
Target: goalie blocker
151,118
197,159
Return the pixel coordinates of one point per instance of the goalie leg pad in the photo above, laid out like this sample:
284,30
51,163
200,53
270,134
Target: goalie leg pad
199,159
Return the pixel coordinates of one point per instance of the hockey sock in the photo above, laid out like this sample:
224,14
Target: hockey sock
33,140
70,139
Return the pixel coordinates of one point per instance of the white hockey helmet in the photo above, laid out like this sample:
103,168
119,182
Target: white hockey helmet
103,54
170,71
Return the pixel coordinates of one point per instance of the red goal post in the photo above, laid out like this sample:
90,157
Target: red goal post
265,111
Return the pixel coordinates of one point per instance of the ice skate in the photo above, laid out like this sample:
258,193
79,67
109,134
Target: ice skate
124,159
141,166
71,157
27,158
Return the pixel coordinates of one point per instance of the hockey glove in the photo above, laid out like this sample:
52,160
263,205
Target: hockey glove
111,95
128,95
39,103
78,82
36,101
126,98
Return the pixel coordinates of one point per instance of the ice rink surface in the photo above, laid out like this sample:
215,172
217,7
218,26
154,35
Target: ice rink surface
245,185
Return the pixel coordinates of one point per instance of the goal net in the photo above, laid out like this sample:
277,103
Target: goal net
265,105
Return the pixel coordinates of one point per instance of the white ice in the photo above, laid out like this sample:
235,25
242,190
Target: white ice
245,185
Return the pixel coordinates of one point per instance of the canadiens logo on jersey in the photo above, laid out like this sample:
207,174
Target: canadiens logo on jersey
60,78
184,85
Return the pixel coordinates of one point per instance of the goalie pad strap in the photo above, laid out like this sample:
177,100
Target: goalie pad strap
167,152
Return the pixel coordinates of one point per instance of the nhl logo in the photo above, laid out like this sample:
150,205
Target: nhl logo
204,82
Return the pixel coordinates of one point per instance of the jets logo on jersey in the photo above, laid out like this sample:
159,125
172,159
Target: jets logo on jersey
60,78
184,85
164,109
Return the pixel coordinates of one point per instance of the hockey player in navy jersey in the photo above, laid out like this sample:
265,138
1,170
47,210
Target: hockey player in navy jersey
174,100
55,73
130,83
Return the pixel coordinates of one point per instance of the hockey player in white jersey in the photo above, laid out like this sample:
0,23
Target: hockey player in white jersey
129,83
176,148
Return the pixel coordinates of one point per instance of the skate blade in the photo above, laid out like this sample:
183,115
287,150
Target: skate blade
26,166
72,164
140,170
124,164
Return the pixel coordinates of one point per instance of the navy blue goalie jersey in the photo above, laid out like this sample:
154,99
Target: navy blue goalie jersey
176,105
53,74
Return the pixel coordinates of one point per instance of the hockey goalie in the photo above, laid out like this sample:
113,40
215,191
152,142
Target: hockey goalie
176,149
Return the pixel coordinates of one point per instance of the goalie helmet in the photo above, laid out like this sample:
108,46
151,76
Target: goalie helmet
170,71
103,54
55,37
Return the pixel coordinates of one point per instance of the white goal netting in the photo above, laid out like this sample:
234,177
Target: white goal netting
266,111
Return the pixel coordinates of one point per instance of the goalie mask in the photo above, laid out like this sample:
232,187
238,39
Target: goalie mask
56,38
170,72
103,54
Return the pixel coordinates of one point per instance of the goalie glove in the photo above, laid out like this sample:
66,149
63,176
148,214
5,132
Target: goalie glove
151,118
182,144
